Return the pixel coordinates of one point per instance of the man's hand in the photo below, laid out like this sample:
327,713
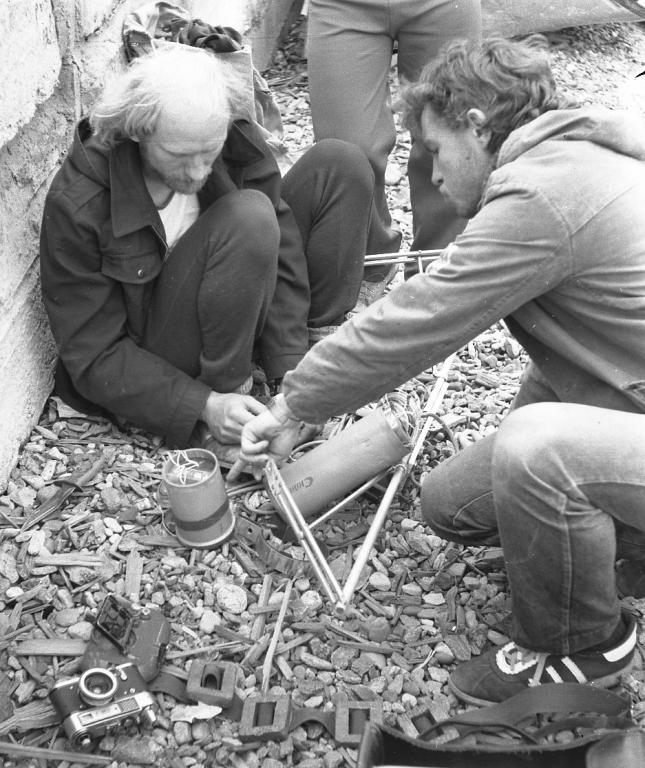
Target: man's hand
226,415
271,434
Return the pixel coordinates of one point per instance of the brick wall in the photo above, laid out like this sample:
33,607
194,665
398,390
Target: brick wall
54,55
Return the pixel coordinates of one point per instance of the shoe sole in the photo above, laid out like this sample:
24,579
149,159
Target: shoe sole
609,681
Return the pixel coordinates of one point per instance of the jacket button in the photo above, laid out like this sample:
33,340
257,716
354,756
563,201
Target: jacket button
140,273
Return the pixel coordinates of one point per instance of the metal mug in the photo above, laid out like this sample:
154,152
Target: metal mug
201,509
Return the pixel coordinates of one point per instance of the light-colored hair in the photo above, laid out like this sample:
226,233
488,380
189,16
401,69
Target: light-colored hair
190,78
510,82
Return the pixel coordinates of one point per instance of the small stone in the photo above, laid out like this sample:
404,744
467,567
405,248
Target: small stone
332,759
380,581
182,732
443,654
434,598
232,598
209,621
24,497
137,750
81,630
112,499
313,661
342,656
312,600
497,638
377,629
408,700
66,617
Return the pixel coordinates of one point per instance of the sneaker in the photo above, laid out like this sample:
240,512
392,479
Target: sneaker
502,672
369,292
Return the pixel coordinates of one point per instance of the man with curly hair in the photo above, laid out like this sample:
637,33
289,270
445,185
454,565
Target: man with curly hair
555,245
174,257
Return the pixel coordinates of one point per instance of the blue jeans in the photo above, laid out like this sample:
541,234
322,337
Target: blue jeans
562,487
349,53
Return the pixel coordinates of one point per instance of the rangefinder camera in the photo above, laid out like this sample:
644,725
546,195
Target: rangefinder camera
99,700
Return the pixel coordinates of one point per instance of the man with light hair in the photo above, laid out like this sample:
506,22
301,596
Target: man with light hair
556,246
175,259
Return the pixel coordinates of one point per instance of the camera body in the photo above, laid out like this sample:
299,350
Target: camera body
100,699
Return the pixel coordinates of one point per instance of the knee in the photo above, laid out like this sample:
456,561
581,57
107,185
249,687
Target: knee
245,221
344,159
528,438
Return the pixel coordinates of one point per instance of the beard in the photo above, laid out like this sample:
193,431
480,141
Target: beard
182,184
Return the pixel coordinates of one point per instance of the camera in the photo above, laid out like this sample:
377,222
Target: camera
124,631
100,699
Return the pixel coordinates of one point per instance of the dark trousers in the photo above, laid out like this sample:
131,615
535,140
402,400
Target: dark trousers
231,290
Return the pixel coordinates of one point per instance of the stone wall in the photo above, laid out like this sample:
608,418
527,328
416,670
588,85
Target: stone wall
54,56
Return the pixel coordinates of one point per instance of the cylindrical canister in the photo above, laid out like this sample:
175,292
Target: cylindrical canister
200,507
345,461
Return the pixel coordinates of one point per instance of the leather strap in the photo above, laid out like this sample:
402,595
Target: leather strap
551,698
254,534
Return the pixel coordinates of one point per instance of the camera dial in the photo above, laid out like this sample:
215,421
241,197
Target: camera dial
97,686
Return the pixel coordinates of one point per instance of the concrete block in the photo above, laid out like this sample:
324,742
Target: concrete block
93,13
27,352
30,61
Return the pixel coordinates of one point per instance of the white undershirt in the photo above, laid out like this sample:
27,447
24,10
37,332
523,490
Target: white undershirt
179,213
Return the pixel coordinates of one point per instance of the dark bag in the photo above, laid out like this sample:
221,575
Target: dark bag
156,24
491,737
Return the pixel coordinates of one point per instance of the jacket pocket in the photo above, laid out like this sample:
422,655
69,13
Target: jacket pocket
132,268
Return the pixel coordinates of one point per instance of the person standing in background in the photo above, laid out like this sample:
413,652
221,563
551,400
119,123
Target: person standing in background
349,53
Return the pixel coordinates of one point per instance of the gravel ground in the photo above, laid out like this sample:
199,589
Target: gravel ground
422,604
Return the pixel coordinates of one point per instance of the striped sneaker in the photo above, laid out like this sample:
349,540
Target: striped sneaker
502,672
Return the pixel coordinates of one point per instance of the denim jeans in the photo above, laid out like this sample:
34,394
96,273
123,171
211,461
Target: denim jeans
227,291
349,53
556,483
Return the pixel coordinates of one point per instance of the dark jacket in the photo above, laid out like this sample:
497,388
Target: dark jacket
102,246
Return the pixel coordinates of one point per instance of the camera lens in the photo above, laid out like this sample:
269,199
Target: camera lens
97,686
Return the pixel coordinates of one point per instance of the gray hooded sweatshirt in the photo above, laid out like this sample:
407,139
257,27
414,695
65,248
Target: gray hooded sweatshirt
557,249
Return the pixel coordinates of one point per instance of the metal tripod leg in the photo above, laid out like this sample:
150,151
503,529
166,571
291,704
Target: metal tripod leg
341,597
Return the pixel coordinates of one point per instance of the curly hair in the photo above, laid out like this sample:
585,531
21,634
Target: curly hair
510,82
130,105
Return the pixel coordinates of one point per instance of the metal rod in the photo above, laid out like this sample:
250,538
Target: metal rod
288,506
268,659
370,538
436,396
402,257
347,500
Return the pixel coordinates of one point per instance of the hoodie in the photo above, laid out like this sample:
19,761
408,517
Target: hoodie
557,249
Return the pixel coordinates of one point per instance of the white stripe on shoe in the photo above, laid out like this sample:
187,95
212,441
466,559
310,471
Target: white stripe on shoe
575,670
626,647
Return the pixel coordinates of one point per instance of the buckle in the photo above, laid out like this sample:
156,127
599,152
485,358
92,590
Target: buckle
352,717
212,682
265,718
